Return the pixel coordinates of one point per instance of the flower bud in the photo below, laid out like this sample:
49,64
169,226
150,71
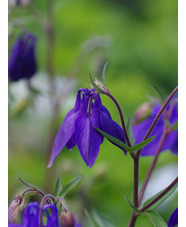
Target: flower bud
67,219
22,61
15,209
142,112
100,85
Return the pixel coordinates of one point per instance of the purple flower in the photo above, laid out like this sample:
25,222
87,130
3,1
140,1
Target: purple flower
30,217
52,219
171,141
22,63
173,220
78,127
32,214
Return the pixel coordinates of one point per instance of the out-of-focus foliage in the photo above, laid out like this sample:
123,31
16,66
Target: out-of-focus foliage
139,39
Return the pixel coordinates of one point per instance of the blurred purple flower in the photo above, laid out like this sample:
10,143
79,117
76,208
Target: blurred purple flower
22,62
19,2
173,220
78,127
78,224
171,141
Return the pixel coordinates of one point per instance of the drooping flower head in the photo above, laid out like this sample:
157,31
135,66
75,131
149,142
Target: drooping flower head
78,127
33,213
171,141
22,62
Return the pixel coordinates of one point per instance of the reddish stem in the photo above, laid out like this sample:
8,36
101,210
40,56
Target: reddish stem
160,195
121,116
163,138
158,116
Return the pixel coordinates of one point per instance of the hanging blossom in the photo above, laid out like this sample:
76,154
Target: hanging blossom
173,220
33,213
22,62
78,127
171,141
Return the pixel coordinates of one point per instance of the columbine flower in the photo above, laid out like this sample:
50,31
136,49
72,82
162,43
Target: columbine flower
32,214
22,63
173,220
78,127
171,141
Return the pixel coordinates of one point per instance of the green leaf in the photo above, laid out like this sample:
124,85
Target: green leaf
101,221
132,206
172,127
103,74
175,126
69,186
90,218
94,85
162,198
58,187
114,139
123,145
129,131
158,94
97,220
155,218
142,144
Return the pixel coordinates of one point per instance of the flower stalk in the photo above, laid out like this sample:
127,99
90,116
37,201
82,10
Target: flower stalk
160,195
43,201
164,136
121,116
159,115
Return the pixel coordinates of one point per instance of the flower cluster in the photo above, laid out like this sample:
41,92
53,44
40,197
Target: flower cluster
78,127
171,117
34,216
22,62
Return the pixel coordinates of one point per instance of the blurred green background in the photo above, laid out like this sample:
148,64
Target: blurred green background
139,39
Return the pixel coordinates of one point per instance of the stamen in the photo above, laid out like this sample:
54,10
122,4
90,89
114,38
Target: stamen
89,105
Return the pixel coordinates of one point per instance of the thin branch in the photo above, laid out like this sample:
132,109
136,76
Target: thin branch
158,116
160,195
164,136
135,192
121,117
